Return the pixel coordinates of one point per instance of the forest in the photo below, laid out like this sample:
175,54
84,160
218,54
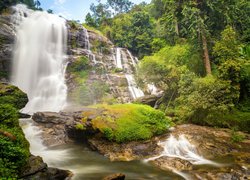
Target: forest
198,52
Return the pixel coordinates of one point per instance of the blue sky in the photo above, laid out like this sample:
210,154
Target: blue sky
73,9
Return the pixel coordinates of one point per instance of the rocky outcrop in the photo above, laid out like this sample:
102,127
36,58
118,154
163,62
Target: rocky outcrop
37,169
150,100
7,38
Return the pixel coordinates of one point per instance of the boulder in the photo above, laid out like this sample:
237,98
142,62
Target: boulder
149,99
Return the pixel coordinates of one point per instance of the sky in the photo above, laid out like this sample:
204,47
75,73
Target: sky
73,9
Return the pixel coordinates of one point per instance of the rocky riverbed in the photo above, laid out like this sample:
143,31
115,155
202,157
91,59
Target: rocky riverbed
211,143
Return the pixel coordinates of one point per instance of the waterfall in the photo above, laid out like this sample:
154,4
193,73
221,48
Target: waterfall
39,59
127,65
118,58
183,149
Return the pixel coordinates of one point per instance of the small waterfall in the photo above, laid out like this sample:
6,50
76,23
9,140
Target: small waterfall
39,59
91,56
183,149
123,62
118,58
135,91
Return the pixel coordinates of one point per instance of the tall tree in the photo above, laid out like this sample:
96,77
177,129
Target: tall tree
120,6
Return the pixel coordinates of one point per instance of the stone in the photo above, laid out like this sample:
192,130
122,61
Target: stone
149,99
117,176
37,169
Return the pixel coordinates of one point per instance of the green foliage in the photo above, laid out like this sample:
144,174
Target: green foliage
14,148
201,100
30,3
80,126
236,137
128,122
81,64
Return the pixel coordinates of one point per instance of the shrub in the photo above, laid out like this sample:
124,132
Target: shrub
128,122
203,99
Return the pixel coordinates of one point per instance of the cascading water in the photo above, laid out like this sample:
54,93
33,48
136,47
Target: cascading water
39,64
118,58
122,62
39,60
183,149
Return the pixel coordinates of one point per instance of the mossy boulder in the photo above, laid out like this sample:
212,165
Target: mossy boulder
12,95
128,122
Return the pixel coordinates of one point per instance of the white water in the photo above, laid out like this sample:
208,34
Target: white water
123,62
183,149
32,134
39,60
118,58
39,64
135,91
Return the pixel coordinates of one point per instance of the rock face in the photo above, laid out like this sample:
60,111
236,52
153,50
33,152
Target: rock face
7,38
104,67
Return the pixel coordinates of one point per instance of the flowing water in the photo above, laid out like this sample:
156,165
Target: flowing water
87,164
183,149
39,60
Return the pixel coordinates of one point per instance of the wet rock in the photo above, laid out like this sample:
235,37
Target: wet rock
7,38
170,163
125,151
149,100
37,169
117,176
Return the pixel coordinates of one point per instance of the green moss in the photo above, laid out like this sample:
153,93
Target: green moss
128,122
12,95
14,148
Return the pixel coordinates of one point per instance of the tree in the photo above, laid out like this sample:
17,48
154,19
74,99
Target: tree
120,6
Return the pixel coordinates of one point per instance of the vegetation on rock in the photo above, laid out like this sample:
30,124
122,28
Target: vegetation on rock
129,122
14,148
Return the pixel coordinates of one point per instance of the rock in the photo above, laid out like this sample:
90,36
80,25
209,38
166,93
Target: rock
125,151
10,94
149,99
117,176
7,38
170,163
37,169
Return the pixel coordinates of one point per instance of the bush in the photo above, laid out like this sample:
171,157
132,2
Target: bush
203,99
128,122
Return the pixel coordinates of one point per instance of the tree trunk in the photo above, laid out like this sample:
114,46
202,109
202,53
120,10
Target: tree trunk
205,53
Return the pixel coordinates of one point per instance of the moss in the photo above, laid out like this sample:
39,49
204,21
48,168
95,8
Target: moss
14,148
128,122
12,95
14,152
